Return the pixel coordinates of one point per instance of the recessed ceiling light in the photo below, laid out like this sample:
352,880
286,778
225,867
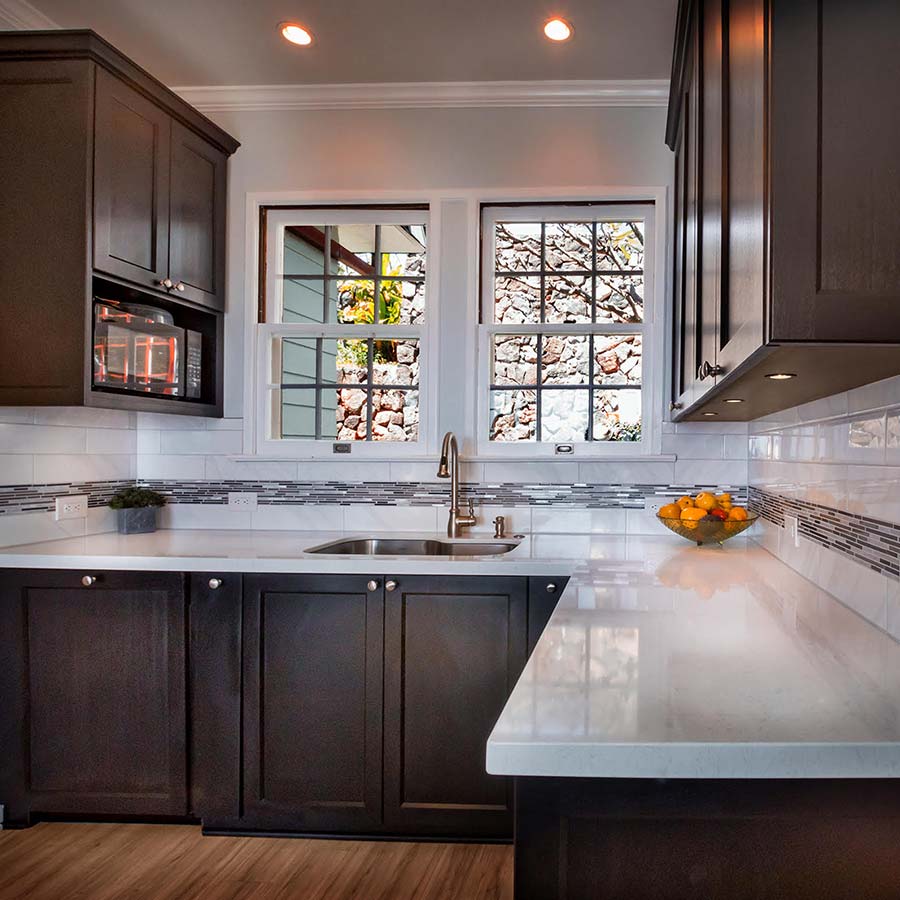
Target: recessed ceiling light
734,400
710,414
558,29
295,33
781,376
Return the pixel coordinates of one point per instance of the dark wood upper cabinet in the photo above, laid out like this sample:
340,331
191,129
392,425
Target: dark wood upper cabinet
94,713
797,192
454,647
112,185
312,681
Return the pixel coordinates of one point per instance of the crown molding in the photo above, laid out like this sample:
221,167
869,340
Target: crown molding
20,15
426,95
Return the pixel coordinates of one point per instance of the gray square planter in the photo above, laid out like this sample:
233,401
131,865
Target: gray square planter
138,521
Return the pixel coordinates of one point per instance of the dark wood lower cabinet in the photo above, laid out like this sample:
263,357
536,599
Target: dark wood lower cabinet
312,664
312,704
622,839
93,713
454,647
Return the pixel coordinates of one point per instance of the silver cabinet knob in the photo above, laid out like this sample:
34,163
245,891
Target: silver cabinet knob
390,585
551,587
215,583
674,405
180,286
708,370
88,580
167,283
372,585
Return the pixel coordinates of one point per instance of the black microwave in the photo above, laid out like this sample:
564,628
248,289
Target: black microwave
139,349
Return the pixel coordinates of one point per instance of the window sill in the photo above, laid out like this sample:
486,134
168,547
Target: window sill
434,457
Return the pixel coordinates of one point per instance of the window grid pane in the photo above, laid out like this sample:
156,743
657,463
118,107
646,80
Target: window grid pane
623,245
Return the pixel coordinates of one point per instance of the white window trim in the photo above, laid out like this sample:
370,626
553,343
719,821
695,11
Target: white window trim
653,375
312,214
463,397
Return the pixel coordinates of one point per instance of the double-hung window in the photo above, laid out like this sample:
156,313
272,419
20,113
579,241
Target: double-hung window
566,304
342,327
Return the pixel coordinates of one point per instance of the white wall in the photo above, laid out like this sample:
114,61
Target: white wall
841,452
437,154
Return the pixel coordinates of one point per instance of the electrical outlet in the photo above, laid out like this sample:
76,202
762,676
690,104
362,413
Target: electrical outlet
792,527
242,499
75,507
653,506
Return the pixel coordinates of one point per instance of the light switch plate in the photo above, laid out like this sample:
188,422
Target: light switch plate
242,499
74,507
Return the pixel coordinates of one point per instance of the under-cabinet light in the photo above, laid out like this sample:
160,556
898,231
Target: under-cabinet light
781,376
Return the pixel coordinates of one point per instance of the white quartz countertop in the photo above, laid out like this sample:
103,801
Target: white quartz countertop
661,660
664,660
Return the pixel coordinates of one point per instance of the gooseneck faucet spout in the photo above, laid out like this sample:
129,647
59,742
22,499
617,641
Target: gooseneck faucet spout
448,467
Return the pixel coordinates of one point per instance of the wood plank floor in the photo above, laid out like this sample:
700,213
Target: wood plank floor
76,861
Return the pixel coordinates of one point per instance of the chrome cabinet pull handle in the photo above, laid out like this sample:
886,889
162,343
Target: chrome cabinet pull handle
372,585
88,580
390,585
215,583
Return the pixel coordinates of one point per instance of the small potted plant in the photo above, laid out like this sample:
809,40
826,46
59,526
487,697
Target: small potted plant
138,509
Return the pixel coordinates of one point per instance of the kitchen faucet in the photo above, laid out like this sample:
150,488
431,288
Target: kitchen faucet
449,468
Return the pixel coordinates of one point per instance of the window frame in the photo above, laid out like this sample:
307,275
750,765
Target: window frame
653,357
272,222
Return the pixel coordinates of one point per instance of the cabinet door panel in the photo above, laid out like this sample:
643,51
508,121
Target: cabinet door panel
836,274
197,218
689,320
740,321
131,184
454,648
103,671
312,702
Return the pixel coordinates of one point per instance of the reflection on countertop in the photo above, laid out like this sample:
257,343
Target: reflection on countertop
685,662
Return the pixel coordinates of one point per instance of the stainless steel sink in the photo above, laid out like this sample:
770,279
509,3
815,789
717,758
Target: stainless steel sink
414,547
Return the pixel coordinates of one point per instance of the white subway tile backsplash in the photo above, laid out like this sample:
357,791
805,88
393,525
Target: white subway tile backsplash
86,417
165,422
182,441
16,468
626,472
325,470
111,440
42,439
300,518
181,515
537,472
188,468
225,468
17,415
364,518
711,472
545,520
59,469
697,446
33,528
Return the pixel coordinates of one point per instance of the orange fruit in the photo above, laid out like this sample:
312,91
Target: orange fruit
738,514
669,511
685,501
723,499
706,501
693,514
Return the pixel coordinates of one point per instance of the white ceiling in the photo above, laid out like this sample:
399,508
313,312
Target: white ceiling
200,42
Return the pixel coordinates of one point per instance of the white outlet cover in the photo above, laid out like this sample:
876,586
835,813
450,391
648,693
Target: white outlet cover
792,527
242,499
73,507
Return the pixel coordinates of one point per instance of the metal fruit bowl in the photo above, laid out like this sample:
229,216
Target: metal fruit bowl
709,530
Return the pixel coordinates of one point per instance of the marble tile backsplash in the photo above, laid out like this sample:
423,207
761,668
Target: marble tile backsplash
840,453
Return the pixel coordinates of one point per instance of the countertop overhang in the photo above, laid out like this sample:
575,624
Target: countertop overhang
661,659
